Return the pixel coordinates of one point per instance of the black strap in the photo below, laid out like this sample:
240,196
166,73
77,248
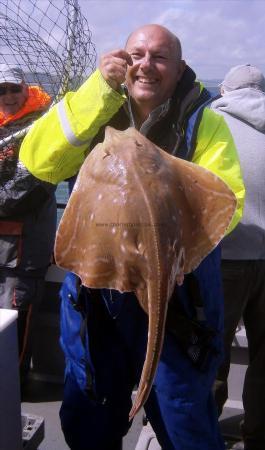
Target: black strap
194,337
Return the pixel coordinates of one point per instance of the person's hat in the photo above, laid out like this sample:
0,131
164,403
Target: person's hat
11,74
244,76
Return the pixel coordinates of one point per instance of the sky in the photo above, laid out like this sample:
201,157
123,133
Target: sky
215,35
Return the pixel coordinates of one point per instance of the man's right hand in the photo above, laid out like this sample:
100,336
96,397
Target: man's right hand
113,67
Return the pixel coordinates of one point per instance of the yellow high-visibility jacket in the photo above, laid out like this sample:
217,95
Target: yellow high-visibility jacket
57,144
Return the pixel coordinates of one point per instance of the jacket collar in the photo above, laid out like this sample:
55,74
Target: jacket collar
185,95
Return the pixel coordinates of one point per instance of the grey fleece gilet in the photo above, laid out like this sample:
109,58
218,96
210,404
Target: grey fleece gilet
244,112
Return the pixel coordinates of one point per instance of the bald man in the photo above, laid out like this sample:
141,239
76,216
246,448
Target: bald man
148,86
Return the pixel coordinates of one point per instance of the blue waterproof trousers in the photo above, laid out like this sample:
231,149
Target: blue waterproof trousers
109,358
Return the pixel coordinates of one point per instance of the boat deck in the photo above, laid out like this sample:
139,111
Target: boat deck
44,398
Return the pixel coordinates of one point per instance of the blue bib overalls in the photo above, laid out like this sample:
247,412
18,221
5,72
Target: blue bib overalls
104,363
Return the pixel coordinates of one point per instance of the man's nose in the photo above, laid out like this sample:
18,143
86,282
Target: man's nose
146,61
8,96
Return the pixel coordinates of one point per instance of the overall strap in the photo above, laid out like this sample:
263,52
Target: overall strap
186,152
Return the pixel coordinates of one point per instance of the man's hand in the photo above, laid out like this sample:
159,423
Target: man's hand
113,67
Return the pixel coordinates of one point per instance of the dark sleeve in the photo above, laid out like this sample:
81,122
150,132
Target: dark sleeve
20,191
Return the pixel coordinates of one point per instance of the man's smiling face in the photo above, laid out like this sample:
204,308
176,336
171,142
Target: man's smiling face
156,68
12,97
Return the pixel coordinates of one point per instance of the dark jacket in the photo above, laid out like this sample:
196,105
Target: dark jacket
27,211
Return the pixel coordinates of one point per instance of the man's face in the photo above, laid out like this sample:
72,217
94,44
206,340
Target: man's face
156,68
12,97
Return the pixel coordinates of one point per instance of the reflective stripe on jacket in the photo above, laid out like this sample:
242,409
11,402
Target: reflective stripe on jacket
57,144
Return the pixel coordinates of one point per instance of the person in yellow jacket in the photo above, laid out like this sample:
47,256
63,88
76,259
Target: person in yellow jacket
146,85
62,138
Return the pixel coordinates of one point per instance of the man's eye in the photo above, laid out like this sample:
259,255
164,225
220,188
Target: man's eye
136,55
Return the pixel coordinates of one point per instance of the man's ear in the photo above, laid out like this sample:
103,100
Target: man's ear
181,68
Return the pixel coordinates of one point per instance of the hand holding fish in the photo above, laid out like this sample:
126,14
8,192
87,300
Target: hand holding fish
113,67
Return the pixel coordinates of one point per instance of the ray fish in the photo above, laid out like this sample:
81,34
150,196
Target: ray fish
137,220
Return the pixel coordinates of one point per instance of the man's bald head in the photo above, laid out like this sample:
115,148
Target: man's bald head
154,29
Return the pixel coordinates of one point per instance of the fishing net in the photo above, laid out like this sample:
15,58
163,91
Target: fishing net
51,42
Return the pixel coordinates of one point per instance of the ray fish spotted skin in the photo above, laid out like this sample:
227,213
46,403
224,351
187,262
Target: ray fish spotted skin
137,220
